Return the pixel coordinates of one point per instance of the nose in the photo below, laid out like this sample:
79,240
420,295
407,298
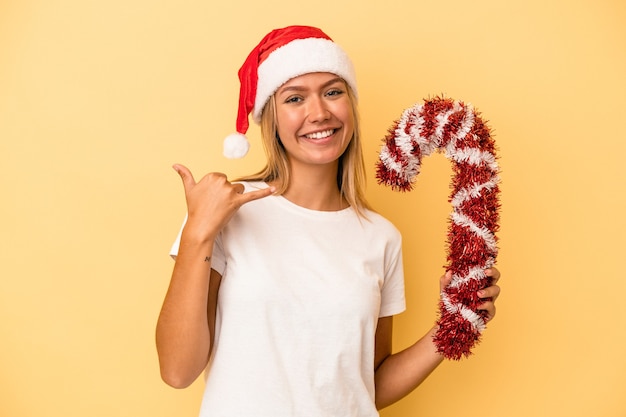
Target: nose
318,110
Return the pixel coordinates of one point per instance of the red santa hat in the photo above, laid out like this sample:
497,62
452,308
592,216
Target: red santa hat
280,56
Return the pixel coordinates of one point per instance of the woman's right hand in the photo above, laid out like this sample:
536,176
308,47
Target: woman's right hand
212,201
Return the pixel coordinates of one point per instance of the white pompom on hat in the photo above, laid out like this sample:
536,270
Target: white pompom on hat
280,56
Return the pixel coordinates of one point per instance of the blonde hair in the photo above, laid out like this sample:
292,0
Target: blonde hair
351,176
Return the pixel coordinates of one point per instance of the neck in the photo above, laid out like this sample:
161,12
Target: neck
315,188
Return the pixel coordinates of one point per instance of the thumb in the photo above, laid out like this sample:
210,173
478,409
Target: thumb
445,280
255,195
185,175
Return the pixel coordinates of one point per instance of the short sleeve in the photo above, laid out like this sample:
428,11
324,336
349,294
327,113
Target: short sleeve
218,260
176,244
392,294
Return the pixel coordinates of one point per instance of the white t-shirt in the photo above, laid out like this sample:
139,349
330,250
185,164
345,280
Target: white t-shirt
298,305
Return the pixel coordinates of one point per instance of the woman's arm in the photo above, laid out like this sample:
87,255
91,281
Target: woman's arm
400,373
184,332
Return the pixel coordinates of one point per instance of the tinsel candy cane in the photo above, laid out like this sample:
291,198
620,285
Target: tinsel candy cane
455,128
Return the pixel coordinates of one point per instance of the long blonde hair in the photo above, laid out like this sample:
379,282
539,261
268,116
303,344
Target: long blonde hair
351,176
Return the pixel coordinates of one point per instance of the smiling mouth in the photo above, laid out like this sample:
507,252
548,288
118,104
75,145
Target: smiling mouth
320,135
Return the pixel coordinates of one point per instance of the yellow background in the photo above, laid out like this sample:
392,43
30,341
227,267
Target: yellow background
99,98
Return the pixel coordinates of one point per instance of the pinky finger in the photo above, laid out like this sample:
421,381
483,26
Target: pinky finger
490,309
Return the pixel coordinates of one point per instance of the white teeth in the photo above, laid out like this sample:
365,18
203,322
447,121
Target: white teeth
320,135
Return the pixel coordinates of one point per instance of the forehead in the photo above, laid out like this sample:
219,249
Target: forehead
312,79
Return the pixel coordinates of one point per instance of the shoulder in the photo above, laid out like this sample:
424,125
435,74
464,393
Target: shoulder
381,224
378,219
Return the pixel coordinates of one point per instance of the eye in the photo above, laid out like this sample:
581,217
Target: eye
335,92
293,99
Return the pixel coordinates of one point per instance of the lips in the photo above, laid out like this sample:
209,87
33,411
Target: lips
320,135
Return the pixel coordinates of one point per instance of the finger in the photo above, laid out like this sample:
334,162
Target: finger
239,188
493,273
445,280
490,308
185,175
491,292
255,195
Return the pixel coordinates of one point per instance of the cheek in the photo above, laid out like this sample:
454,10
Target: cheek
348,123
286,124
343,111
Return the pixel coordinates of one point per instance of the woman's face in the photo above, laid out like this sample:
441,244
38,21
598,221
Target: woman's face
315,121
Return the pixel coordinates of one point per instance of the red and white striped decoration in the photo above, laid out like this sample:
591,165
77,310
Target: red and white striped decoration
457,129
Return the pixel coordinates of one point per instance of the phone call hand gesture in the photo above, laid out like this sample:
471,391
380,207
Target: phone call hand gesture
212,201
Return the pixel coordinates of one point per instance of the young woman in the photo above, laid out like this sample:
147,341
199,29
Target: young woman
286,283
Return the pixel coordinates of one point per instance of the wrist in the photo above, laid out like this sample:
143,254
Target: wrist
198,234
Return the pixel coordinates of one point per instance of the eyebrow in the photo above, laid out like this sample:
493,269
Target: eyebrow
301,88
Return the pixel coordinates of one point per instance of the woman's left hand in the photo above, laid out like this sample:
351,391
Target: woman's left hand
489,294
